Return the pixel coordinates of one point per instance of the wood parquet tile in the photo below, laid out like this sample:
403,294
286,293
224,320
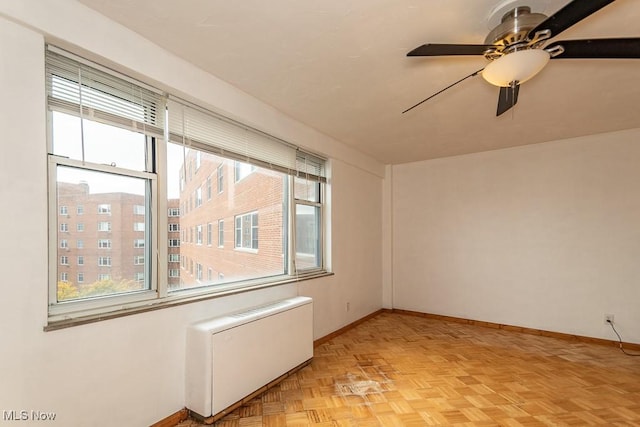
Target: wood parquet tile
402,370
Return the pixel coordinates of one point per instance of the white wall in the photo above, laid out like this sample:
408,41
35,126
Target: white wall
130,371
544,236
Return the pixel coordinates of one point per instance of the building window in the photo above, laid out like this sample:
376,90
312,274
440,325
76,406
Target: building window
139,210
64,244
174,227
220,233
199,234
138,260
104,243
80,227
138,277
174,211
104,261
209,187
64,260
64,210
80,244
64,277
138,226
220,173
80,277
247,231
198,197
174,257
209,274
138,243
209,233
104,209
242,170
104,277
104,226
199,271
80,260
64,227
80,210
174,272
174,243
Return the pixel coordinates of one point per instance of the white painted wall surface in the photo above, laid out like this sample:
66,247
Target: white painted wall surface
130,371
544,236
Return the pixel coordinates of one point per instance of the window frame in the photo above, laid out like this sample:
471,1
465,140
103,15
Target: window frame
158,292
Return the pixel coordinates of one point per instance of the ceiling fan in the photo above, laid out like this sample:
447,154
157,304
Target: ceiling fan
516,49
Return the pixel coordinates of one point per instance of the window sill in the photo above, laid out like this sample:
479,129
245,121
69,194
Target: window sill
178,298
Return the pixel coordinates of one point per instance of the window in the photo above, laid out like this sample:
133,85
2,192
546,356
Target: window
199,271
138,161
220,233
198,197
247,231
104,209
242,170
64,260
64,277
220,173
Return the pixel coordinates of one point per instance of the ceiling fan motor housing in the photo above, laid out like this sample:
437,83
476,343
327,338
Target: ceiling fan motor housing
511,34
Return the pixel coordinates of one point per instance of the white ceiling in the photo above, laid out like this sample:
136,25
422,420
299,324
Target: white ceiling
339,66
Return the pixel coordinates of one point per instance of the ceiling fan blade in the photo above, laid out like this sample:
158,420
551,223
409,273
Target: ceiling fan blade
569,15
507,98
433,49
597,48
475,73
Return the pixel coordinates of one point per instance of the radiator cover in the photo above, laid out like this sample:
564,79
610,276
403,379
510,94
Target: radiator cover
231,356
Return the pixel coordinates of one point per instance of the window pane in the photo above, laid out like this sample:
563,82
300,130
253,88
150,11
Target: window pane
308,248
105,260
253,206
103,144
308,190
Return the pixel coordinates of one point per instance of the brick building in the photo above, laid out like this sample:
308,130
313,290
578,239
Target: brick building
231,220
101,236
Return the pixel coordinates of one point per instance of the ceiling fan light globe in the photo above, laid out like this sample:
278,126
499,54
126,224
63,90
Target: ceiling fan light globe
518,67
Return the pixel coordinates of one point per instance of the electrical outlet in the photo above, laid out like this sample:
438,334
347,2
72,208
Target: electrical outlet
608,318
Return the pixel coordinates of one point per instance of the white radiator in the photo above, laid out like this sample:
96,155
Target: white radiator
230,357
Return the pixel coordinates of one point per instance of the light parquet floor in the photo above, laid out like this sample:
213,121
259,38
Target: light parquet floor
402,370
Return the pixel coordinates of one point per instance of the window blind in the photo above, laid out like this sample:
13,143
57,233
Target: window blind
76,88
192,126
